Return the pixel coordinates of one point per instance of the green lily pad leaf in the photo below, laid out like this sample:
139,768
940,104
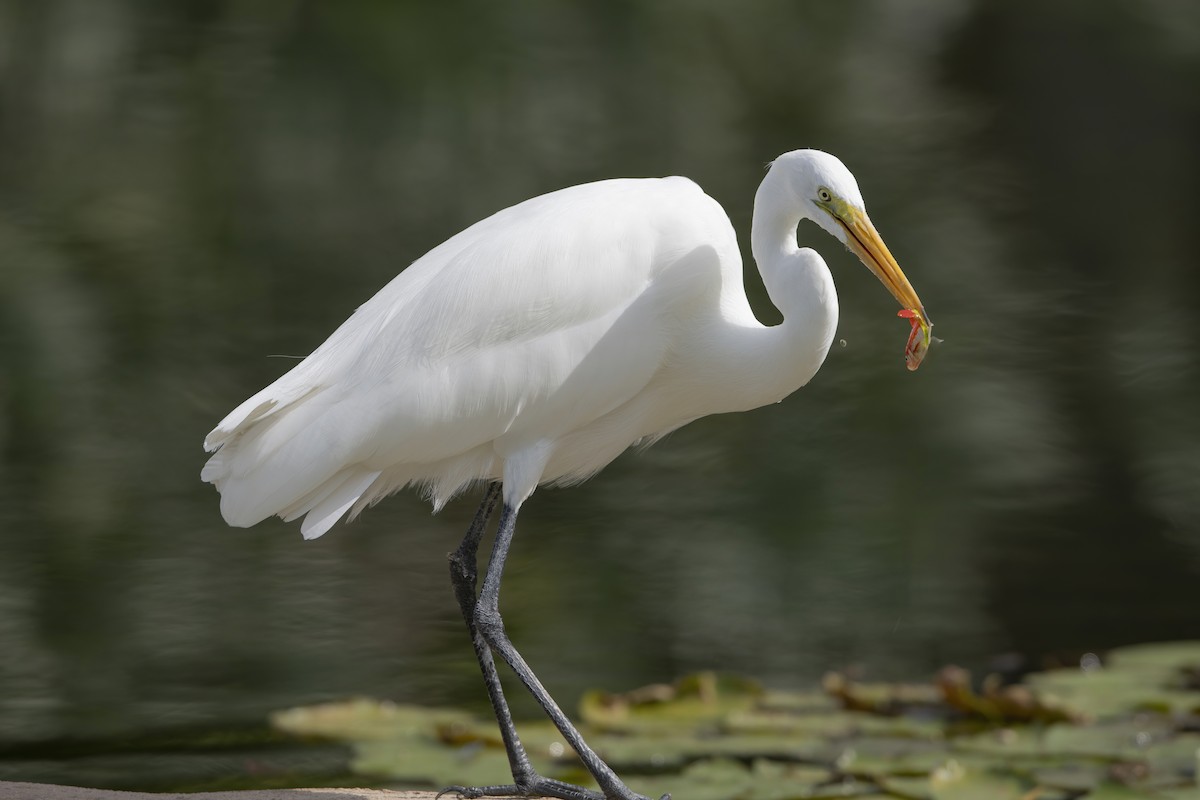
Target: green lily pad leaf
774,779
721,779
926,730
1115,740
362,720
811,702
875,757
888,699
424,762
717,779
710,736
963,779
997,703
696,699
540,738
661,751
1116,791
1072,777
846,788
1002,742
756,721
908,788
954,781
1162,655
1102,693
830,724
1175,762
1187,793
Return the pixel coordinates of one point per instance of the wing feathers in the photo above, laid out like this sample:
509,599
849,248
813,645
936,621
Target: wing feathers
327,512
500,335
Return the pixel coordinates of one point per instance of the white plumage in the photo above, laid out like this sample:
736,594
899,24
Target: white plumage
538,344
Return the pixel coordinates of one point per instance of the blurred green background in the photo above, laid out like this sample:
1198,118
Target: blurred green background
190,188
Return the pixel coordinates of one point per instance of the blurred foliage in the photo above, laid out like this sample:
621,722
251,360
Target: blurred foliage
192,192
718,737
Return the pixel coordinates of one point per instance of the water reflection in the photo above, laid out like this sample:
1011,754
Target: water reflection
189,189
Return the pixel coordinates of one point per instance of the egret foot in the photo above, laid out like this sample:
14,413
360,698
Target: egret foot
543,787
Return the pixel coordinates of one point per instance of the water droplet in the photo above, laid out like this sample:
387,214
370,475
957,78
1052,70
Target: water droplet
556,749
1090,662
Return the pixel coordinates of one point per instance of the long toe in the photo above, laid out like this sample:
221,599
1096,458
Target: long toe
542,787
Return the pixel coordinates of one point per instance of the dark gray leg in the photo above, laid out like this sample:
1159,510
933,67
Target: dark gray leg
463,572
488,625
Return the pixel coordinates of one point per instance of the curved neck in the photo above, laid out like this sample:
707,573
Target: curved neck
773,231
765,364
796,279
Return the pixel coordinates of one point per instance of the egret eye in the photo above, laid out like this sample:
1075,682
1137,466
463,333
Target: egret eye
824,195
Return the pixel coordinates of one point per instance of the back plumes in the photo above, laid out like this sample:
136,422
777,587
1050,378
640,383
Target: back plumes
467,357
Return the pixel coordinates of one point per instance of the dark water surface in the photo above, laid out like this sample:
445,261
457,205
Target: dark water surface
187,189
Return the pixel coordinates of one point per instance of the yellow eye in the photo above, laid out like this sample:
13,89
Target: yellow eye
824,195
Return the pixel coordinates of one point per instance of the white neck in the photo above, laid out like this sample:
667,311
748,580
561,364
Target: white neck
765,364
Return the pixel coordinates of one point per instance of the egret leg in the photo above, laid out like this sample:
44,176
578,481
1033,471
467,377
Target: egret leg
463,573
487,624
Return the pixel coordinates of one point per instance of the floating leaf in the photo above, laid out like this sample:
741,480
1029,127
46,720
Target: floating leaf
956,780
1115,791
660,752
1170,656
705,697
888,699
712,737
1000,704
874,757
1113,692
810,702
1072,777
421,762
977,783
361,719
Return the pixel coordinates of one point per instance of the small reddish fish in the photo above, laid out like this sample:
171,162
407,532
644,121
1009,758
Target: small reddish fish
919,338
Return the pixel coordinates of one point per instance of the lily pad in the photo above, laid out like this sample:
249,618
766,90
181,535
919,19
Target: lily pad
418,762
722,779
1105,693
880,698
1161,655
954,780
361,719
999,704
703,698
661,752
1120,735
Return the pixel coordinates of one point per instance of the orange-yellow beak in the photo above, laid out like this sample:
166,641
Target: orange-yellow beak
864,241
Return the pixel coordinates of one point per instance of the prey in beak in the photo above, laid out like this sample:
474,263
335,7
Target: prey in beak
864,241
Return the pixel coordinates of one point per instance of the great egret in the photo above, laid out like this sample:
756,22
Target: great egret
536,346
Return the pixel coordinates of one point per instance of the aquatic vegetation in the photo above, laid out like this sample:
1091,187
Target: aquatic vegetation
1125,728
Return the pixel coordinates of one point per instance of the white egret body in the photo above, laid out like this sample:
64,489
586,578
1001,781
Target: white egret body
536,346
540,343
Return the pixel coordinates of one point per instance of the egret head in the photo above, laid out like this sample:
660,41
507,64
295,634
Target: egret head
828,195
820,183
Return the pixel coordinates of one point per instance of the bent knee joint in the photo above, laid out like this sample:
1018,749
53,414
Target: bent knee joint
489,622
